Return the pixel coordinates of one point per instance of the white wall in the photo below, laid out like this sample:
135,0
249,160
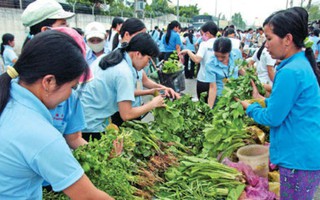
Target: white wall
11,23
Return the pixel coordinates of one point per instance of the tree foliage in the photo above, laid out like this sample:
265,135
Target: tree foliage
161,6
314,13
237,20
189,11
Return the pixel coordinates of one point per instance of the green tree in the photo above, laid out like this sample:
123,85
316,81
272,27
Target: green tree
189,11
314,13
237,20
161,6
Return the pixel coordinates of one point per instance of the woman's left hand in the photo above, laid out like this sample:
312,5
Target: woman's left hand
117,148
244,104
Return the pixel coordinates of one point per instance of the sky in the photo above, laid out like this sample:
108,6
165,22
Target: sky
252,11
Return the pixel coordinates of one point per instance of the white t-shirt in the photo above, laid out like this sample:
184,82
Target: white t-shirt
205,52
262,69
235,43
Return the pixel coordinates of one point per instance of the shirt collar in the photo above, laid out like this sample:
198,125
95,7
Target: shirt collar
26,98
287,60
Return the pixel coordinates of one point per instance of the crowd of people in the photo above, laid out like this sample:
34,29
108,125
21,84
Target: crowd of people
68,85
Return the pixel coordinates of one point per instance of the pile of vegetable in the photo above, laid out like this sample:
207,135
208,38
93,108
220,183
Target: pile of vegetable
197,178
176,156
172,65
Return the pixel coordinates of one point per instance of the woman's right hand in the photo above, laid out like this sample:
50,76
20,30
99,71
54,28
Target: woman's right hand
255,92
158,101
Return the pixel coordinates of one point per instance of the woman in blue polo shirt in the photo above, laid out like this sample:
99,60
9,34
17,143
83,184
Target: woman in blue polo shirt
293,109
113,87
220,67
171,40
31,149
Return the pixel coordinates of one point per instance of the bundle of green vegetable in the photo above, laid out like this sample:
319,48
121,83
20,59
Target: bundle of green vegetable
172,65
183,121
198,178
227,132
112,175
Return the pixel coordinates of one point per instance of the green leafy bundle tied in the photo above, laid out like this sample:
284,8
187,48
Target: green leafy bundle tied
172,65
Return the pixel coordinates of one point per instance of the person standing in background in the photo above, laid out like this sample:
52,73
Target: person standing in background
205,52
114,33
8,55
96,38
189,41
171,39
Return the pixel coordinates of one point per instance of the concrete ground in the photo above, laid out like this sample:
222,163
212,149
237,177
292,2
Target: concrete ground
191,89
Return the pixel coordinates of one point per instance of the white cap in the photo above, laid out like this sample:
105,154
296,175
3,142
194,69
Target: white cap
41,10
95,29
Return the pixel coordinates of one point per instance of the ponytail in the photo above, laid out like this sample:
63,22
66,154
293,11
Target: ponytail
170,27
113,58
2,49
5,82
310,56
141,42
260,50
115,41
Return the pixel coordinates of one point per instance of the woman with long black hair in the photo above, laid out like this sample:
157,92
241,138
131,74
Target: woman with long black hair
171,40
113,88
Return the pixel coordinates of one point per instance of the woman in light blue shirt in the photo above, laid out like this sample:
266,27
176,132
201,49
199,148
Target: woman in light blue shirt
8,55
220,67
292,111
171,39
31,149
113,87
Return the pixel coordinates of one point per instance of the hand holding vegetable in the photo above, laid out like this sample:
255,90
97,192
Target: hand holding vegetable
117,148
184,52
158,101
255,92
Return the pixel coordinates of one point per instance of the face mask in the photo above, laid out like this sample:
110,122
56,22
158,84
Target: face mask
96,47
204,37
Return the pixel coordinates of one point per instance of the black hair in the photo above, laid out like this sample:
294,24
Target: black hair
316,32
132,26
170,27
294,21
6,38
222,45
260,50
229,31
79,30
49,52
160,35
141,42
115,22
190,35
35,29
211,27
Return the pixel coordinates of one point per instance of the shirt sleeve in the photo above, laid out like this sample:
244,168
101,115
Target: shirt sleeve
201,50
56,164
280,102
75,119
125,87
210,73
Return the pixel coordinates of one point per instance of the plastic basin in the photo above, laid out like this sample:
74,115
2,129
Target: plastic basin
257,157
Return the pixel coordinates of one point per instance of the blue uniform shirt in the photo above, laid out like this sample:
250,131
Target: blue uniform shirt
216,71
32,150
101,96
293,114
68,116
190,45
173,41
8,55
90,56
